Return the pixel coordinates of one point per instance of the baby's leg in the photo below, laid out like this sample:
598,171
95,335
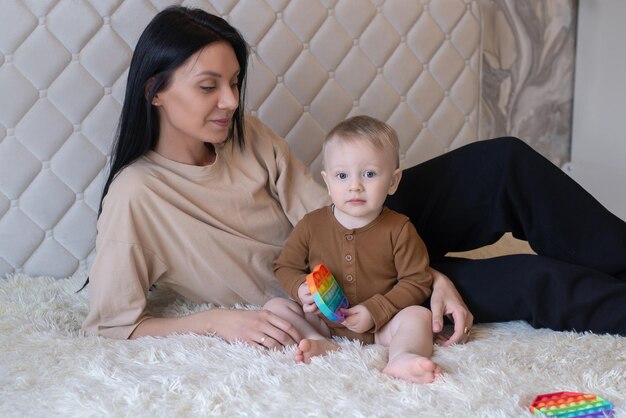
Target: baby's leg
311,347
316,335
409,337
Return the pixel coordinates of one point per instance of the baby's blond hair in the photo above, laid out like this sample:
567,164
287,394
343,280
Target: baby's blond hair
377,132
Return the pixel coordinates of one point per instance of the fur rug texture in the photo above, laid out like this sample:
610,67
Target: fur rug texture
48,367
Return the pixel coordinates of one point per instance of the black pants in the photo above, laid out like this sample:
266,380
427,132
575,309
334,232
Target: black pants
471,196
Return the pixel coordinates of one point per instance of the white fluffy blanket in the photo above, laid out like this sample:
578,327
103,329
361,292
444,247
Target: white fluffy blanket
49,368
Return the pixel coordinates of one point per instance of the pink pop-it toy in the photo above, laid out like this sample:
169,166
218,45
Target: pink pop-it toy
571,405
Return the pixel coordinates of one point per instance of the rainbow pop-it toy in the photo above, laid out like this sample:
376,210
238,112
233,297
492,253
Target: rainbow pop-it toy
326,292
571,404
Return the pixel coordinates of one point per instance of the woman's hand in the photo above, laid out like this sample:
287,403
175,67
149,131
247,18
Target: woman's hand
308,304
358,319
446,300
259,328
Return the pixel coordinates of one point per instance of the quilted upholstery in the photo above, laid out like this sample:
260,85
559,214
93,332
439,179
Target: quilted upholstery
63,63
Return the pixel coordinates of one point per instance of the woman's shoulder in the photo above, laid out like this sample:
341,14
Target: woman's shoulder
253,124
264,145
258,134
132,180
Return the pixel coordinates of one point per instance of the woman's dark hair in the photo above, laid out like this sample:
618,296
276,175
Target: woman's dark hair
171,37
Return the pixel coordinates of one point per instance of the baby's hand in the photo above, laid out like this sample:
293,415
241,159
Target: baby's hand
358,319
308,304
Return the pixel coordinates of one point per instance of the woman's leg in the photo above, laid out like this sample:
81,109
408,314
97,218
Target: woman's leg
469,197
543,291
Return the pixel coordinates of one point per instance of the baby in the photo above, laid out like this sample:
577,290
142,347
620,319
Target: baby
375,254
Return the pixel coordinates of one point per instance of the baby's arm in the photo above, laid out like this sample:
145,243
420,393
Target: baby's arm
414,281
306,298
291,266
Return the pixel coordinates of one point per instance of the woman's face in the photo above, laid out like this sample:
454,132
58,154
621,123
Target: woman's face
198,104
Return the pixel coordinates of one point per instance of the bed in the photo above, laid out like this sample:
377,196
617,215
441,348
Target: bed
416,65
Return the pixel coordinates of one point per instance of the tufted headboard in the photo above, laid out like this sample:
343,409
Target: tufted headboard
63,63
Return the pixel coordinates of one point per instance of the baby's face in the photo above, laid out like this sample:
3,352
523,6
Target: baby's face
359,177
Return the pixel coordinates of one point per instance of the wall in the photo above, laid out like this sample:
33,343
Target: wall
414,64
598,133
528,72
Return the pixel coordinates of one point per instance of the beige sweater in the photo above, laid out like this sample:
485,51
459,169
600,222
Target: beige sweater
210,233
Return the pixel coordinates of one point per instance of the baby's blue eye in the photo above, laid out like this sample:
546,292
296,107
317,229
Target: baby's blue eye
342,176
369,174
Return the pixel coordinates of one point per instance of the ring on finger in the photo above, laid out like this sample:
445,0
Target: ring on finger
467,331
263,339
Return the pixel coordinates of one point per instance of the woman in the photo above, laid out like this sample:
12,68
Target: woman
201,198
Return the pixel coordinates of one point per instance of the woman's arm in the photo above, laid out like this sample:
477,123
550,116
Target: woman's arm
290,180
256,327
446,300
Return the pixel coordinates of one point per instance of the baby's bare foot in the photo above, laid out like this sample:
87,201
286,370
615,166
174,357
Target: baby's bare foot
413,368
308,349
